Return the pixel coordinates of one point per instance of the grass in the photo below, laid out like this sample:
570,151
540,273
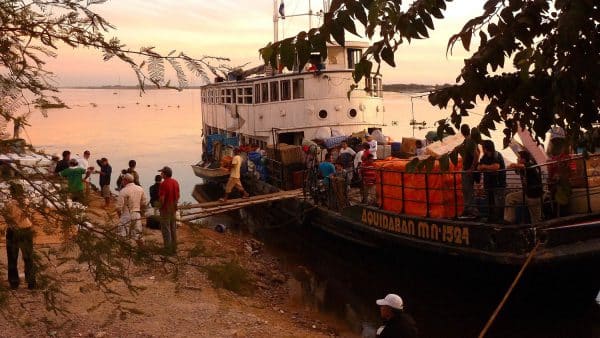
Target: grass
231,276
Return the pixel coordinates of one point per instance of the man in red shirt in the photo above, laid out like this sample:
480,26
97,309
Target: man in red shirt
168,196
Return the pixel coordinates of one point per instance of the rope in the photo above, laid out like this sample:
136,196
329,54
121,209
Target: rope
514,283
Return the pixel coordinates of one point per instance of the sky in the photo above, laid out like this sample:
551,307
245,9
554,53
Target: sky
237,29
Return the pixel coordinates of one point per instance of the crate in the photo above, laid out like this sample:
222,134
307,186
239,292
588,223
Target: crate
286,154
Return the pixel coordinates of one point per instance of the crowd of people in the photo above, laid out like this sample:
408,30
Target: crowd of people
131,200
484,174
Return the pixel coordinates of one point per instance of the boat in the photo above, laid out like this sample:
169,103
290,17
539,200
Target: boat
286,121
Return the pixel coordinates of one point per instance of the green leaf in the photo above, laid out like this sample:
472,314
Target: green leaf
387,54
465,38
337,31
287,53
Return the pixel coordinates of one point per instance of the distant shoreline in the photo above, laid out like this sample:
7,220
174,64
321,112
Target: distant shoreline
393,87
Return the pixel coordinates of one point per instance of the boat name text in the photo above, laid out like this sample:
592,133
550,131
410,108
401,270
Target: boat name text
444,233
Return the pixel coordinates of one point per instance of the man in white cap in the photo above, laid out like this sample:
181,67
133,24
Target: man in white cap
130,203
396,322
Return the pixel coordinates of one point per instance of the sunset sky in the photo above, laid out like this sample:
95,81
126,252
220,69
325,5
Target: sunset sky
237,29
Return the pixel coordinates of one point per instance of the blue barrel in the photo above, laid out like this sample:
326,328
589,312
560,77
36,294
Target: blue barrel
396,146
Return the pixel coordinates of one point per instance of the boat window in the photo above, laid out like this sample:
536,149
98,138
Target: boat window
240,95
222,96
298,88
368,85
257,93
274,86
352,113
286,92
264,90
210,96
230,96
377,89
323,114
247,95
354,56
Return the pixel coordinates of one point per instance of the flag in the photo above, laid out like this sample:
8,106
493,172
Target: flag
282,10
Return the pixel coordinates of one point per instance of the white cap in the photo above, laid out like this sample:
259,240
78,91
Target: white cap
392,300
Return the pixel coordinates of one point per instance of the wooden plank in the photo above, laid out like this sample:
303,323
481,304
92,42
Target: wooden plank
225,208
234,201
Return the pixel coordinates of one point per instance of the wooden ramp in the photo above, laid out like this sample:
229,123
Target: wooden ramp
201,210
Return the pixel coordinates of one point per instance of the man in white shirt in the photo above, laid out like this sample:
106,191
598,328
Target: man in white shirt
130,204
347,150
84,162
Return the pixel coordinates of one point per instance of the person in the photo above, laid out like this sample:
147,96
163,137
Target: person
104,181
347,150
119,182
130,206
562,171
419,149
494,180
372,146
235,177
396,322
84,162
75,180
154,191
326,169
346,155
533,190
470,156
64,163
369,178
19,237
131,170
361,154
168,197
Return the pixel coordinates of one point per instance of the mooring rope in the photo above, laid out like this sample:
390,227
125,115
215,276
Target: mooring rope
514,283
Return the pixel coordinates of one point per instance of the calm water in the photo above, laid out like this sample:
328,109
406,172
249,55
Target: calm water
164,128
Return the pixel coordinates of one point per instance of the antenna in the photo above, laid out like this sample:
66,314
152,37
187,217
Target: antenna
413,123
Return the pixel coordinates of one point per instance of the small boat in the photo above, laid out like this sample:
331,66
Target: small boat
210,173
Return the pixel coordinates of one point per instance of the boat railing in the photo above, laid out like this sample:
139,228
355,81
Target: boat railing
569,186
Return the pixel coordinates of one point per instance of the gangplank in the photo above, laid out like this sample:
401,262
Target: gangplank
200,210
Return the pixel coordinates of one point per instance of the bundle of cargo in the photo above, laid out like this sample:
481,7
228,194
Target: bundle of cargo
384,151
435,194
446,145
285,153
334,141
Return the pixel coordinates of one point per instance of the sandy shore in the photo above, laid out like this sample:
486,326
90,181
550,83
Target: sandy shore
187,306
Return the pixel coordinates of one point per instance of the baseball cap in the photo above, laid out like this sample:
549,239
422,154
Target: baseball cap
166,170
392,300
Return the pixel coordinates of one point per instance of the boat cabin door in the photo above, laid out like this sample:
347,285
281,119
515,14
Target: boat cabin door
292,138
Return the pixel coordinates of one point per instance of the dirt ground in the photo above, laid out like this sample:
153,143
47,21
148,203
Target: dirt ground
187,306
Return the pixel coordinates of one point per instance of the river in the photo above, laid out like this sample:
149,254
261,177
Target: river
163,127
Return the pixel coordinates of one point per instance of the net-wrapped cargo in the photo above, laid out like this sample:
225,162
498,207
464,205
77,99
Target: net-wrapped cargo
436,194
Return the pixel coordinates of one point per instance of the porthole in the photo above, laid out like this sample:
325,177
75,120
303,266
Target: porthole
323,114
352,113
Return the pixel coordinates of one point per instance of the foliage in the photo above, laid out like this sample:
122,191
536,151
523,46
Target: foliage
553,47
32,30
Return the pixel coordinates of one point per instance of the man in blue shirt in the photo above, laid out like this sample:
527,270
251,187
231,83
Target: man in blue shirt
326,169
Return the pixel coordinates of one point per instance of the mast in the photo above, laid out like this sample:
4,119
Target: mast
309,15
275,24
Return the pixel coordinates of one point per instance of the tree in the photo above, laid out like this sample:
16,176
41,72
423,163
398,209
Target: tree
30,33
553,47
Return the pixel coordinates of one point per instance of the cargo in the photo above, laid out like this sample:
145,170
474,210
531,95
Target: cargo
416,193
334,141
286,154
384,151
409,145
440,148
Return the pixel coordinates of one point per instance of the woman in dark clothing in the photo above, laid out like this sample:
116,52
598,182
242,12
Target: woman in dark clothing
154,191
396,322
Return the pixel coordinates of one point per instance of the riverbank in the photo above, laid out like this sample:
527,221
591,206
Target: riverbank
195,303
